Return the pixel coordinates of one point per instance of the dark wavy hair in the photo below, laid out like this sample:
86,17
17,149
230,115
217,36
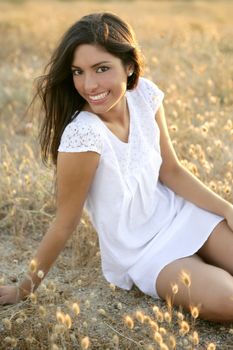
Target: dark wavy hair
60,99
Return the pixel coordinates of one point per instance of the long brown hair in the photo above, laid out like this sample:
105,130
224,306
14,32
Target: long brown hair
60,99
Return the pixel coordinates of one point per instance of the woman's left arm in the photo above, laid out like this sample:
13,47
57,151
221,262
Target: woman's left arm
185,184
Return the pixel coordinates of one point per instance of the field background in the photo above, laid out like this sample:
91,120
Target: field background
188,47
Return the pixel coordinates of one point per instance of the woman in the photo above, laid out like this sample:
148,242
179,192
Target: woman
106,132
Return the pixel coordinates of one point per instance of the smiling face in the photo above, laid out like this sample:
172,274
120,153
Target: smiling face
101,79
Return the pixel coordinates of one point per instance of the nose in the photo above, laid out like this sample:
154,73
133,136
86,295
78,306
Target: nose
90,83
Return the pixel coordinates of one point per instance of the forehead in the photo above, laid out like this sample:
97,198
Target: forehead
90,54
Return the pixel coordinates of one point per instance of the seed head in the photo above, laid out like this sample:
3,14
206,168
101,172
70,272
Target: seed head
19,320
112,287
14,342
173,128
33,266
7,323
129,322
85,343
180,316
158,338
194,311
119,306
116,340
42,311
67,321
55,347
155,309
23,315
40,274
159,316
7,340
60,317
53,336
139,316
30,340
154,325
175,288
87,303
184,326
167,317
150,347
147,319
76,308
33,298
102,312
163,346
58,329
185,278
195,338
162,331
172,342
51,286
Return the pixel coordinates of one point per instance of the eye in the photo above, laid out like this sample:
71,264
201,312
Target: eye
102,69
76,71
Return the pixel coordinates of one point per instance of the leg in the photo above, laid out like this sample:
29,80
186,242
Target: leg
211,288
218,249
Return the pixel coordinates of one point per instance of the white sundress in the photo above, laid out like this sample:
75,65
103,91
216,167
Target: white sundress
142,225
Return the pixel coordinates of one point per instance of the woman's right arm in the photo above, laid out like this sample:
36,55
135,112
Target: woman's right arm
75,173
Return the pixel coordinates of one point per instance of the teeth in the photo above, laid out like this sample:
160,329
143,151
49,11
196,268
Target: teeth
98,97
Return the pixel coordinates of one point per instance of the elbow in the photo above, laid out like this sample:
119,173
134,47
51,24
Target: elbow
167,175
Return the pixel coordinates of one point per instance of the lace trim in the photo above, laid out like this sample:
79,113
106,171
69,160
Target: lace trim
153,95
79,137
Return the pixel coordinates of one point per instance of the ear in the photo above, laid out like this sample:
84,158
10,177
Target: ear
130,69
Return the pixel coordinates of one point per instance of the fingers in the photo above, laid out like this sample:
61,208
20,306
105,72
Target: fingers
2,295
8,295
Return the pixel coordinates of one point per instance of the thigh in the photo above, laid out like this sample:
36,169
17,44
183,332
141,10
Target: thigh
210,287
218,249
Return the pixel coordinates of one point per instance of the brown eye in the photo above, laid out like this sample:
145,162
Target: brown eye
76,71
102,69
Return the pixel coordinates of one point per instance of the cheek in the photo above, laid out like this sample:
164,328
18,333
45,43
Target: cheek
77,83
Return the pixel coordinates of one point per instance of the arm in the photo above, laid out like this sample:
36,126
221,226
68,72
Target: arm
75,172
181,181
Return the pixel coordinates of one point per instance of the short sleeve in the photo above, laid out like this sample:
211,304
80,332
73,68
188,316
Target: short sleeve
81,137
153,95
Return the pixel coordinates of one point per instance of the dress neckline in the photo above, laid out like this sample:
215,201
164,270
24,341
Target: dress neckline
114,136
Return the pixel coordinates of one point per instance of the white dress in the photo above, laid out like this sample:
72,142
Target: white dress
142,225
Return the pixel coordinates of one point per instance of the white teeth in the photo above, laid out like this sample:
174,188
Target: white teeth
98,97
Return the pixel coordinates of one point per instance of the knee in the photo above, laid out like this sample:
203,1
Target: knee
219,308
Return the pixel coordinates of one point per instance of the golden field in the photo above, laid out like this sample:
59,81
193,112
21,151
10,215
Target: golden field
188,47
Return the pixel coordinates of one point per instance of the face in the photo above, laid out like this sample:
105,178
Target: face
100,78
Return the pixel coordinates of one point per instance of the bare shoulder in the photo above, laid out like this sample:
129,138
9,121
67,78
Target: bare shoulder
77,163
76,170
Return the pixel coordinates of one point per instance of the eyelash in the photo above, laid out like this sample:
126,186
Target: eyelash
79,72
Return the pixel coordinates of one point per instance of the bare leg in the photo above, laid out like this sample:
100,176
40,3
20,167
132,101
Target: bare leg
218,249
211,288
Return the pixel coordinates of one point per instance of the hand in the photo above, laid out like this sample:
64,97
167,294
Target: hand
9,295
229,216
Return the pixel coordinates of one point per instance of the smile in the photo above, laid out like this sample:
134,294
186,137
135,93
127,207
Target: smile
98,97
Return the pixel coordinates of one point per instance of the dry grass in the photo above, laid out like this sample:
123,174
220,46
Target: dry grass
189,55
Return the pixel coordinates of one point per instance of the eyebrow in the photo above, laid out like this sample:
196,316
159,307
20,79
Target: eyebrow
94,65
